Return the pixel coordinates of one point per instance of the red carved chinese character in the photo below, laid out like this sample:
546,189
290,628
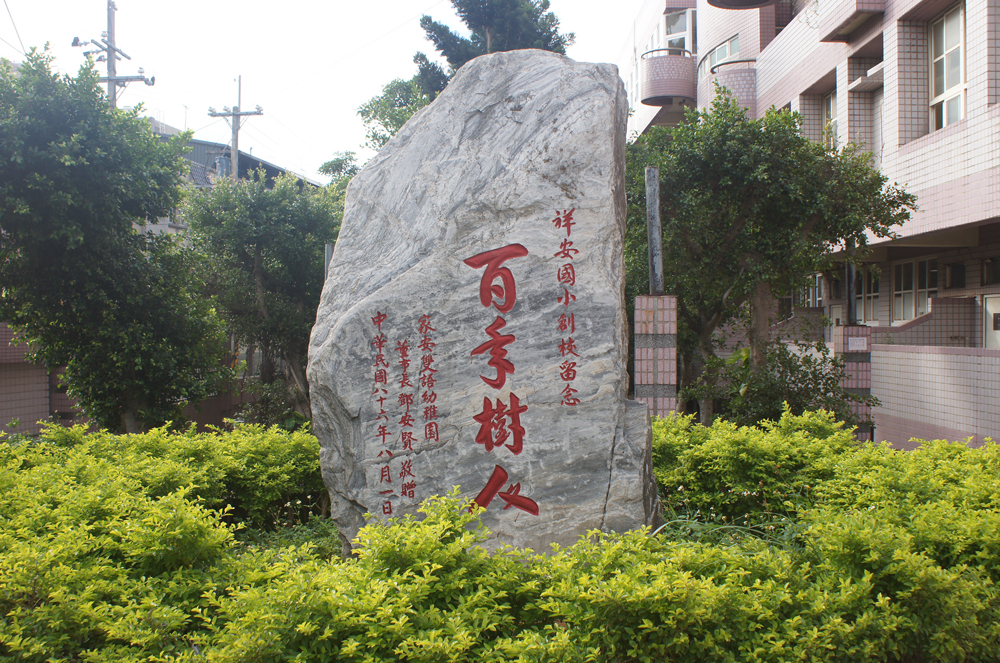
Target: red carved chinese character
567,371
497,353
405,381
406,420
564,219
427,380
568,397
379,319
565,298
384,452
567,274
430,412
408,440
567,346
492,261
429,396
407,400
403,348
566,250
406,470
382,414
383,432
379,342
381,377
498,423
387,508
405,363
427,344
386,476
513,498
425,325
567,323
431,431
492,487
408,489
426,362
380,360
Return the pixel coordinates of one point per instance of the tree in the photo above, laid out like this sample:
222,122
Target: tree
265,251
386,114
751,207
86,290
495,25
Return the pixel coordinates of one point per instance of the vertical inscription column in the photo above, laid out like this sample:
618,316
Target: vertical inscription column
656,353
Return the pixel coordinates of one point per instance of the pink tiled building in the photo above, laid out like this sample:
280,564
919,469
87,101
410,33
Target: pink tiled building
917,83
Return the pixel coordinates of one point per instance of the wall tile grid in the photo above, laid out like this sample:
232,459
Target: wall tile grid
656,353
949,322
24,395
10,354
945,392
668,76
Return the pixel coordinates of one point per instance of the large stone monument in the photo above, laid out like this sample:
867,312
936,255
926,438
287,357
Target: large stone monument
472,329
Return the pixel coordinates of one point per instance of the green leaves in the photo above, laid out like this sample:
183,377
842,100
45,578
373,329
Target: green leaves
120,309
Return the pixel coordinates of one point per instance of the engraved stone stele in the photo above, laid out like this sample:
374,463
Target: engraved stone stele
472,330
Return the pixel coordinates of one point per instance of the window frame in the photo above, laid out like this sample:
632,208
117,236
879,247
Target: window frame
919,297
938,117
866,294
830,113
706,64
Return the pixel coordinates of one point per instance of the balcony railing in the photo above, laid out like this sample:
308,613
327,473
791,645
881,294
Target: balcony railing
741,4
669,76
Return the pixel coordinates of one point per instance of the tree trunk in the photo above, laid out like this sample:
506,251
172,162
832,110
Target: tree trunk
299,384
130,420
760,325
706,406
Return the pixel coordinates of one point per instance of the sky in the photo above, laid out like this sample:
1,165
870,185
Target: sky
308,63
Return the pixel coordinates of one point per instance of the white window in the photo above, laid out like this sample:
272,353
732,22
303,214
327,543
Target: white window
913,283
947,68
866,295
680,32
812,294
729,50
830,119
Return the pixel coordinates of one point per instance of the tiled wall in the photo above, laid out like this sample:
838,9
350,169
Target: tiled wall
24,395
668,76
945,392
656,353
949,322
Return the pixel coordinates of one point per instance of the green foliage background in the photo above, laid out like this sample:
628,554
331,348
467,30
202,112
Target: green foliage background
787,542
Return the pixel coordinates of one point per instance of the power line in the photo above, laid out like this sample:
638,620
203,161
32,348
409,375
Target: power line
15,26
12,46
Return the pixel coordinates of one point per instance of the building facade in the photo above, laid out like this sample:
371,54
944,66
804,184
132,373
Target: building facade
916,83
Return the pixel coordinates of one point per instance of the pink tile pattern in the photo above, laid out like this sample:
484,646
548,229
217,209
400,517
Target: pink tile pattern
656,367
665,75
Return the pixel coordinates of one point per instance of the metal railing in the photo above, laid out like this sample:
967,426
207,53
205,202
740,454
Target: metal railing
669,51
715,68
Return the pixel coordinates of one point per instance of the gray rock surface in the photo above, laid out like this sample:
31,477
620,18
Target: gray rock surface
480,267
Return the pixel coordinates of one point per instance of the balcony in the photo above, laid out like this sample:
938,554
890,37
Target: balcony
741,4
668,77
839,19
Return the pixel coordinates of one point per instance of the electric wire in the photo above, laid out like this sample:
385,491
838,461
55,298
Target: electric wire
12,46
20,41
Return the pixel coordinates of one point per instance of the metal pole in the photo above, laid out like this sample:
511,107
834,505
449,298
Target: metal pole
112,56
234,157
654,231
851,278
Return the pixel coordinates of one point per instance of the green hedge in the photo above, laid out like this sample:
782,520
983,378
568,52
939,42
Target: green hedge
123,549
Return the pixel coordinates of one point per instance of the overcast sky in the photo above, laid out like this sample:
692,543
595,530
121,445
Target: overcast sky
308,63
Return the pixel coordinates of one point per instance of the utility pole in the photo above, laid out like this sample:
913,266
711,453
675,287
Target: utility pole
234,118
111,53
